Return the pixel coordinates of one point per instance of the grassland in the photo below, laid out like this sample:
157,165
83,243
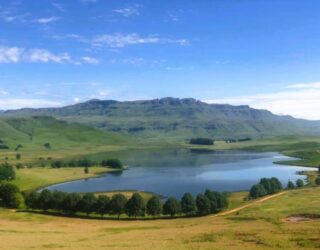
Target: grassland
261,226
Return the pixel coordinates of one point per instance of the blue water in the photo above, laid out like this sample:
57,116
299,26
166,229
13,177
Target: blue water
174,172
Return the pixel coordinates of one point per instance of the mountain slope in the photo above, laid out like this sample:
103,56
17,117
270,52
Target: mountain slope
36,131
177,118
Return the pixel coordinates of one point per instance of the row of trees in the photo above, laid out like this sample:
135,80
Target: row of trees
113,163
264,187
71,203
202,141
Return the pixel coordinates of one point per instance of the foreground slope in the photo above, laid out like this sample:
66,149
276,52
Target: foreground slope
177,118
261,226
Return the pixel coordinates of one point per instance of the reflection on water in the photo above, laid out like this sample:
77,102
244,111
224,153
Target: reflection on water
174,171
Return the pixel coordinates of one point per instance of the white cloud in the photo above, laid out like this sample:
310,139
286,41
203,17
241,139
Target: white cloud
46,20
119,40
301,101
3,92
16,55
16,103
10,54
90,60
133,10
76,99
58,6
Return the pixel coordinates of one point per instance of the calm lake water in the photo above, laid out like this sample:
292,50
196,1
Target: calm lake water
174,172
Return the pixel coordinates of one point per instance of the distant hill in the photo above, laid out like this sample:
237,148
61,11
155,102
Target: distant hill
177,119
36,131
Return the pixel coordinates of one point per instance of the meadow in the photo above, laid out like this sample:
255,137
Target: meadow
260,226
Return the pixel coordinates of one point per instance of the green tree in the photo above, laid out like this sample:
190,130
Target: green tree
154,206
299,183
135,206
57,199
257,191
188,204
113,163
86,170
70,203
7,172
171,207
32,200
10,195
317,181
102,205
87,203
45,200
117,204
203,204
290,185
18,156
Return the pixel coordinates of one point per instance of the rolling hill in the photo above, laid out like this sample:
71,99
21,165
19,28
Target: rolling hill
34,132
175,118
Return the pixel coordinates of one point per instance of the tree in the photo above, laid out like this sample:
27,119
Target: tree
113,163
10,195
45,200
7,172
317,181
102,205
117,204
70,203
86,170
47,145
171,207
57,200
257,191
276,185
32,200
154,206
188,204
135,206
299,183
290,185
18,156
203,204
87,203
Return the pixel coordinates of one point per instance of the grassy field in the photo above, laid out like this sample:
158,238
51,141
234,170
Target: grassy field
32,178
261,226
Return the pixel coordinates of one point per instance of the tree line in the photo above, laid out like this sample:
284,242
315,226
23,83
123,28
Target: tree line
272,185
202,141
113,163
118,204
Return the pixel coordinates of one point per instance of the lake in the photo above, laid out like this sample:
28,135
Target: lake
173,172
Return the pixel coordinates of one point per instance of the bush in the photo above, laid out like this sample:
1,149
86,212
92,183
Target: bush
257,191
290,185
317,181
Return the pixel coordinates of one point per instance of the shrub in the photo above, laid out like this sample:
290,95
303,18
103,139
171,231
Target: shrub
317,181
290,185
299,183
10,196
257,191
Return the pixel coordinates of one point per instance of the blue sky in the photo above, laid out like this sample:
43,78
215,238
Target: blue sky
262,53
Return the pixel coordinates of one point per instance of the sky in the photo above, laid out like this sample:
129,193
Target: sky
265,54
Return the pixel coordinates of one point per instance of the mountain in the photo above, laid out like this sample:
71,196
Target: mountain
177,119
36,131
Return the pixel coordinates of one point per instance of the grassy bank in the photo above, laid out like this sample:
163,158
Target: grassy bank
261,226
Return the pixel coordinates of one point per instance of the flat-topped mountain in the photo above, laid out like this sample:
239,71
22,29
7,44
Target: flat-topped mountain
176,118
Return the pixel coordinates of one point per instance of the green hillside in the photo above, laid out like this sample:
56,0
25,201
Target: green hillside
32,133
177,119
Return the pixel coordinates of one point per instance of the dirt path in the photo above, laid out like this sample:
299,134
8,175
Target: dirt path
250,204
